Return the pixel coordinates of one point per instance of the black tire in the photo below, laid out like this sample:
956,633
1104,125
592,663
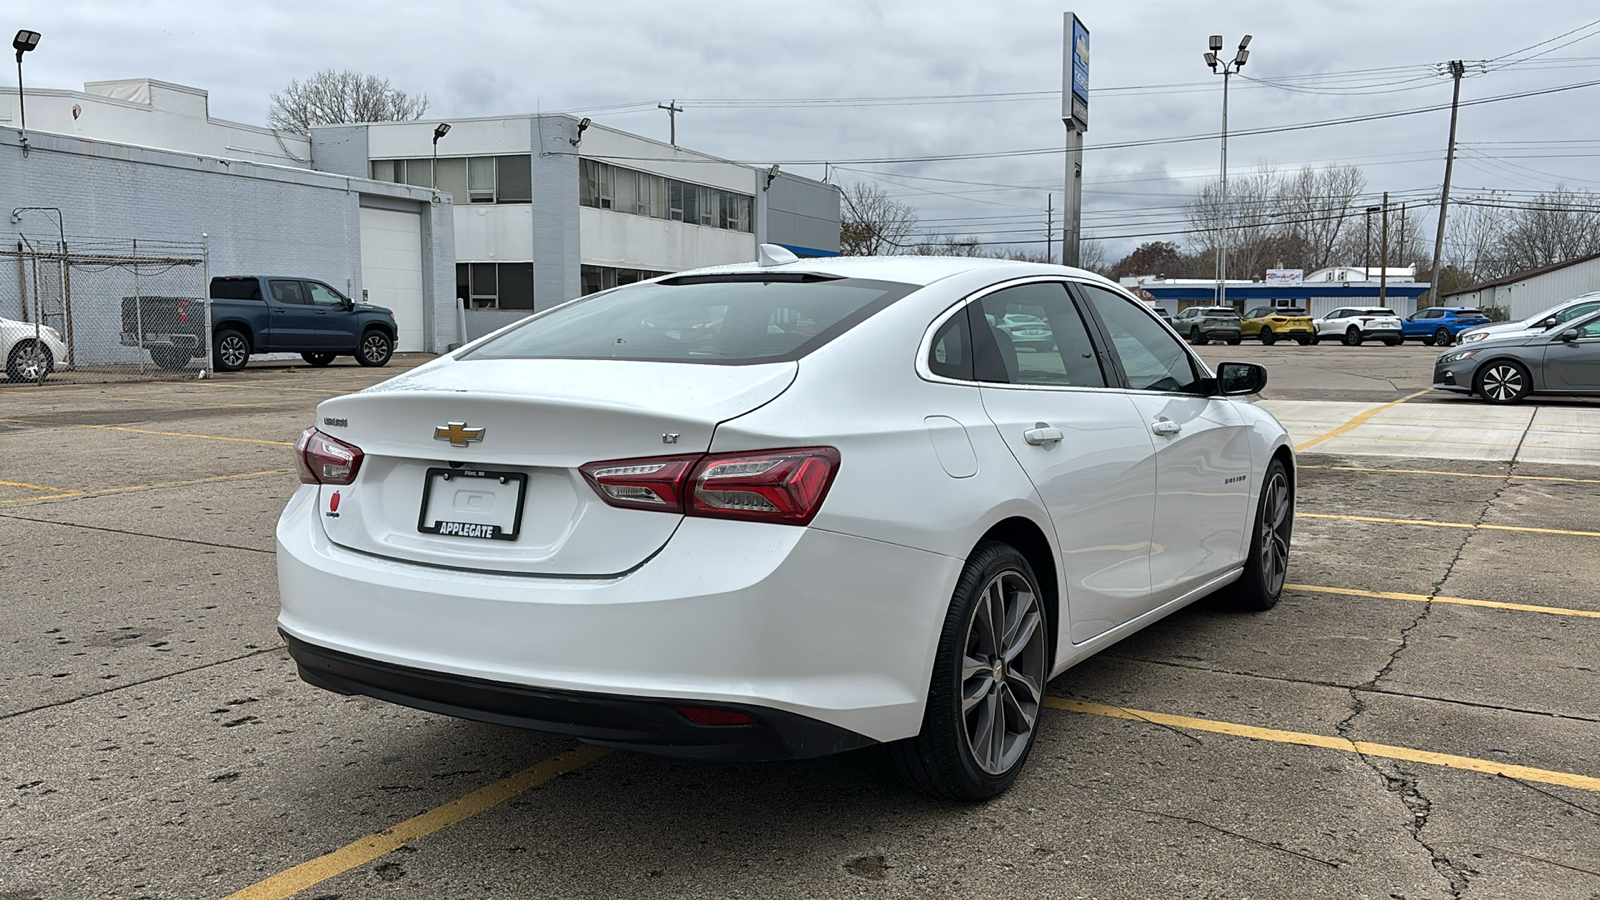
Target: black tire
1267,565
1427,340
1267,336
230,350
318,359
1305,340
1393,342
1234,342
1352,337
376,348
1443,337
941,759
171,359
1195,337
1502,381
1316,339
29,362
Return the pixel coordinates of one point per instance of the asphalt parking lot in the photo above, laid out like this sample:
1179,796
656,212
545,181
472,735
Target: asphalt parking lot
1418,717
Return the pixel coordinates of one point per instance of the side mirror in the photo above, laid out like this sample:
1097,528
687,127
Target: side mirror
1235,379
1570,335
1549,323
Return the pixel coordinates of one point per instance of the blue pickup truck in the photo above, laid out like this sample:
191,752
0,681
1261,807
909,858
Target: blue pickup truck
259,314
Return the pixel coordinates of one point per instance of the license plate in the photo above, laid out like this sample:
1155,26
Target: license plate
472,503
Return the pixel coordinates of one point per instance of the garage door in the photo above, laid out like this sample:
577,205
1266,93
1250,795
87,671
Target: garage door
391,270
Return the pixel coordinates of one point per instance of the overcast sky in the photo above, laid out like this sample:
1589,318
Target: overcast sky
615,60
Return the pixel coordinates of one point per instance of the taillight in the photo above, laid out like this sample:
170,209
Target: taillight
655,483
325,460
784,486
183,312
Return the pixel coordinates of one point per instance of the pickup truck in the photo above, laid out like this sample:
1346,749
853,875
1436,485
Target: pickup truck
259,314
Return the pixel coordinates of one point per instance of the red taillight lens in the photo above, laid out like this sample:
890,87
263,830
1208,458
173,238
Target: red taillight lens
711,715
786,486
183,312
655,483
324,460
769,486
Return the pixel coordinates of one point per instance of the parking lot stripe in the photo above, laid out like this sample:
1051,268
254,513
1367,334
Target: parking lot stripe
66,494
1330,742
1511,475
31,487
209,437
1460,601
1358,420
312,872
1469,525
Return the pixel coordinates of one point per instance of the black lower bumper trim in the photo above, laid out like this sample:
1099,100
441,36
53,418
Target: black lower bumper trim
648,724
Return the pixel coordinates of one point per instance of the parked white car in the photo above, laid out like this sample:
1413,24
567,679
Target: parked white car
31,351
839,510
1560,314
1355,324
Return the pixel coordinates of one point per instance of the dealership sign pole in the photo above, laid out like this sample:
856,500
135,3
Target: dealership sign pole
1075,115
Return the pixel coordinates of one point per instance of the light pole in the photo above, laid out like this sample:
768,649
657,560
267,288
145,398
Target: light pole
439,131
24,41
1226,71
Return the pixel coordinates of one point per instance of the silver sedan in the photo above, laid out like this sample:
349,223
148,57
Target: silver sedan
1508,369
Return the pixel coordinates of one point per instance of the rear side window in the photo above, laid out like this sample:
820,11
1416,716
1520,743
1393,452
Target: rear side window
723,320
951,354
235,289
287,291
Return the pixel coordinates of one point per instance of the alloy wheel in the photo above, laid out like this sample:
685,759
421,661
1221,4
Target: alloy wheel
1276,522
233,351
32,362
1502,383
1003,672
375,347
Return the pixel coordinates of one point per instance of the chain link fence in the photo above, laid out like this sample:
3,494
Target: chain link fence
100,309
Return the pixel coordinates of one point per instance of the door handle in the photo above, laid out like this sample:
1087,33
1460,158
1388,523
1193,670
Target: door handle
1042,435
1165,427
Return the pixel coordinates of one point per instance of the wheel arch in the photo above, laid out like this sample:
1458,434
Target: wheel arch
1031,541
239,325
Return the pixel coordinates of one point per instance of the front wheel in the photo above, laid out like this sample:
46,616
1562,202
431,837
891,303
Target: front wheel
1267,566
988,682
230,351
1233,342
376,348
1268,337
1393,342
1504,381
317,359
1305,340
29,361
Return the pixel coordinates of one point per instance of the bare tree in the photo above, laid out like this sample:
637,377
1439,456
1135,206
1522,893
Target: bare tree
1472,240
874,224
1092,256
1553,227
1244,224
1317,205
949,245
331,97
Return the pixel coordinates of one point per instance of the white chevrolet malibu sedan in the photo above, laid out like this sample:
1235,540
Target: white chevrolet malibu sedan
782,510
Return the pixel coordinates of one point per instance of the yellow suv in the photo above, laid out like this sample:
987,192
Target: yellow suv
1269,324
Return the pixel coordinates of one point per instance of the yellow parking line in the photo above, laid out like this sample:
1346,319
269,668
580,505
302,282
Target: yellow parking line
1514,475
1332,742
31,487
1462,601
1470,525
64,494
1359,420
209,437
312,872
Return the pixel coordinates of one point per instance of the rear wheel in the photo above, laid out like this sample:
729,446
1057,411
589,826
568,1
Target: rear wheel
171,359
29,361
988,682
318,359
375,350
230,351
1504,381
1352,337
1195,337
1267,567
1233,342
1267,336
1443,338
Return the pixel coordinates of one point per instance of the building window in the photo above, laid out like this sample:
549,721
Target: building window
603,278
604,186
467,179
495,285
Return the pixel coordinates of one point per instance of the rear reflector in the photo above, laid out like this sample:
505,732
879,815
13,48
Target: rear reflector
325,460
784,486
711,715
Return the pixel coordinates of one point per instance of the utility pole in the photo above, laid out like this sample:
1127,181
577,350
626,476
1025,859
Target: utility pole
1049,229
1383,256
1074,115
1457,69
1226,232
672,109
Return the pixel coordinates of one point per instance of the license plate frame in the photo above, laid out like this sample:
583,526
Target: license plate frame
468,530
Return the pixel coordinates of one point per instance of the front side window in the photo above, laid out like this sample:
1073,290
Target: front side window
322,295
1574,312
1152,359
724,320
1032,334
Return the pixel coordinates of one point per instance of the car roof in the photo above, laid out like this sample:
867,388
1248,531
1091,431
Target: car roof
918,270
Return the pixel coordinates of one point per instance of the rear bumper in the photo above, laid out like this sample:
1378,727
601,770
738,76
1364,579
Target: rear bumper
785,620
649,724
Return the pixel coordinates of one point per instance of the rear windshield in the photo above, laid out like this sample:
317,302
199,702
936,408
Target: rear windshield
1221,311
1470,314
1377,312
724,320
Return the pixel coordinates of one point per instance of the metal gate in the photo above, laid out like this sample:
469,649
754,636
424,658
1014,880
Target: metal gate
104,309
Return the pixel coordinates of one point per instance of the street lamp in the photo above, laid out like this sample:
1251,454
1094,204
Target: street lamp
24,41
1227,69
439,131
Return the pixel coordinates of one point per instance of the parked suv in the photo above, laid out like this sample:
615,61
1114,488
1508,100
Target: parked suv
1204,324
1440,324
1354,324
259,314
1270,323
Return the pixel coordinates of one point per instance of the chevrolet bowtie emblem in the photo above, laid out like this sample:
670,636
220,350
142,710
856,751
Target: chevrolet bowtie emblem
458,434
